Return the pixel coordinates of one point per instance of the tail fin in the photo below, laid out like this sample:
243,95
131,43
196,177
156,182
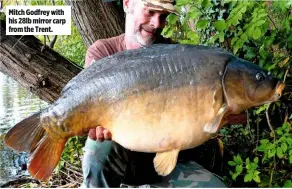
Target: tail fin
45,157
45,152
25,135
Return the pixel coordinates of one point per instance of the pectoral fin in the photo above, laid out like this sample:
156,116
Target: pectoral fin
214,124
165,162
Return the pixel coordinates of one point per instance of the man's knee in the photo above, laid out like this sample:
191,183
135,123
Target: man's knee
95,155
190,175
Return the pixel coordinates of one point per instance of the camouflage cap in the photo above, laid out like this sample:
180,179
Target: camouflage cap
161,5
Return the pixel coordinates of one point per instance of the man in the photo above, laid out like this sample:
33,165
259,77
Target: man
107,164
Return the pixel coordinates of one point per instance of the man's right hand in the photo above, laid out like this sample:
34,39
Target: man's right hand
100,134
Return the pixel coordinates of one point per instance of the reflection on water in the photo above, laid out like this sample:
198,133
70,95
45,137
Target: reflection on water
16,103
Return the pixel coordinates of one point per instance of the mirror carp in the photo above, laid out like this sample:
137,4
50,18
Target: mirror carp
162,99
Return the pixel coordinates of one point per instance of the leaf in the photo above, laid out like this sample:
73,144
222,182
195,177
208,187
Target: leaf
257,33
284,62
270,146
279,152
2,16
220,25
221,36
237,159
234,176
250,31
289,141
283,139
248,177
194,14
284,147
238,169
256,172
182,2
231,163
263,52
261,22
237,46
286,25
261,109
256,178
271,66
262,148
254,166
271,153
279,132
269,40
206,3
248,166
231,173
247,161
212,39
264,141
171,19
168,33
256,160
290,159
285,126
288,184
264,158
234,40
202,24
244,37
193,36
250,54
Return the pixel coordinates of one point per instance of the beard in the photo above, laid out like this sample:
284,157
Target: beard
143,41
148,40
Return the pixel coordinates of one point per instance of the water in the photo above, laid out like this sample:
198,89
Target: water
16,103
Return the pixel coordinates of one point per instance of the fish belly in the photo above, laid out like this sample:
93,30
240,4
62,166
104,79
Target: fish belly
161,121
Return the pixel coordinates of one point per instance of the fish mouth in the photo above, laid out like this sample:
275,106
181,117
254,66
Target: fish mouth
279,89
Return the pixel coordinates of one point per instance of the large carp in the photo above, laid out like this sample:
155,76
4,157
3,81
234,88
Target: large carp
162,99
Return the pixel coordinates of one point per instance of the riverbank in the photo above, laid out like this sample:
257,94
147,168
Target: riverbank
68,177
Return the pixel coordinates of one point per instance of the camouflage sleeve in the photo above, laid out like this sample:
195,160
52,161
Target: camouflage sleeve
190,175
105,164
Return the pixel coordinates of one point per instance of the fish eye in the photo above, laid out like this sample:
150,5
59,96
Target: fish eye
260,76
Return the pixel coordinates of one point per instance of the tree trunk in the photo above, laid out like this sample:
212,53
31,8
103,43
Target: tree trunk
44,73
97,20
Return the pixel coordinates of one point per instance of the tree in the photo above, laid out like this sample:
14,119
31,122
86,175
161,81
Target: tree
97,20
42,70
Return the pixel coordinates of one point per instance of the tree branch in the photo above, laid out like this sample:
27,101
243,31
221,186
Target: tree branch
43,73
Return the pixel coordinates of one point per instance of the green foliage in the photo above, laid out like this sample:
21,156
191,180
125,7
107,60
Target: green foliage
281,146
247,168
271,156
72,46
2,16
258,31
72,153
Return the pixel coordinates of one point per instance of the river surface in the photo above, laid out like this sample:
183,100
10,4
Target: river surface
16,103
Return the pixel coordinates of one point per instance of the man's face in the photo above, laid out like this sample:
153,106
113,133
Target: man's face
146,23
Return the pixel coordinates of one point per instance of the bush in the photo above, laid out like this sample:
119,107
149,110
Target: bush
258,31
